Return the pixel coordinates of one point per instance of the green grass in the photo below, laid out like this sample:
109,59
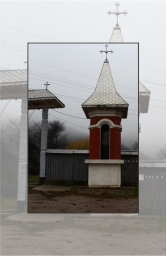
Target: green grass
33,178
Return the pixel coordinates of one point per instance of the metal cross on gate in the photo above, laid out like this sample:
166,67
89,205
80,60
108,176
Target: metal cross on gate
46,85
117,12
106,51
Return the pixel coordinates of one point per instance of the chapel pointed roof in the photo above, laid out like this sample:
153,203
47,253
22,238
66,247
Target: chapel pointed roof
116,35
105,94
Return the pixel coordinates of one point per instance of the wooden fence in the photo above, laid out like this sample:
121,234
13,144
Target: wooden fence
69,165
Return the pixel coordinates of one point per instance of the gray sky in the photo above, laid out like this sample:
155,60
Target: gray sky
85,21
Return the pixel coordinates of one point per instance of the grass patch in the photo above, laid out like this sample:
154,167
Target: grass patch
33,178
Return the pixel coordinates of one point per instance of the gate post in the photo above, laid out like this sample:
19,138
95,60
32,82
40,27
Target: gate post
22,168
44,134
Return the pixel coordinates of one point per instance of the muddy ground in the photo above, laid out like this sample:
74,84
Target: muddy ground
84,200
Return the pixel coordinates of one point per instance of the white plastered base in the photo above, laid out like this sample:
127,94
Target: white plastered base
104,173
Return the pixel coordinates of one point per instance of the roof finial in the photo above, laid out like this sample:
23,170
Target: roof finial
106,51
46,85
117,13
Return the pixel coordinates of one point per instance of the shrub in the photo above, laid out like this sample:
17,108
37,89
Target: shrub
80,144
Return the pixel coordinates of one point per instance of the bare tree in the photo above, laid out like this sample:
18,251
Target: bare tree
161,154
56,134
10,135
135,146
124,147
56,139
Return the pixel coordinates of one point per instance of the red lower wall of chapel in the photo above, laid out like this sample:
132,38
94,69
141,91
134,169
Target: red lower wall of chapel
95,143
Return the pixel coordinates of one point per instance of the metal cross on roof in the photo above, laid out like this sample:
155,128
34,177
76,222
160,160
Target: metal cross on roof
117,13
106,51
46,85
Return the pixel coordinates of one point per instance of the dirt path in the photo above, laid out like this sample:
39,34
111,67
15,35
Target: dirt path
84,201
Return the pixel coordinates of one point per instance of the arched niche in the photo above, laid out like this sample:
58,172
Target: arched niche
105,141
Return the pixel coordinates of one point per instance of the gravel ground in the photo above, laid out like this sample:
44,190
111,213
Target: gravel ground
85,235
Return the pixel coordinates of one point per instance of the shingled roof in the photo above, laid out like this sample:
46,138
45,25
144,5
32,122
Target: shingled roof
43,98
13,84
105,94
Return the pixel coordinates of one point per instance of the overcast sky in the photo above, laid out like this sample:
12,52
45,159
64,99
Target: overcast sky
73,71
87,21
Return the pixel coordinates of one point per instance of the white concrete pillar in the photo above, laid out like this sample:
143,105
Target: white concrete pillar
44,134
22,166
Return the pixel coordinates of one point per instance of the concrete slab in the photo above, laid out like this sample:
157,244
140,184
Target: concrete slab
52,188
35,217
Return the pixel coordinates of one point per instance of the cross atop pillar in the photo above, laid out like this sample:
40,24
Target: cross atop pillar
46,85
106,51
117,13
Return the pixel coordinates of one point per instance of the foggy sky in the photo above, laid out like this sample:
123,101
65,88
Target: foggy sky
89,22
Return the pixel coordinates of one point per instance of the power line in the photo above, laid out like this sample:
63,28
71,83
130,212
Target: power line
59,80
69,115
152,68
62,69
80,100
26,32
67,86
15,54
31,114
78,73
80,117
84,90
141,77
12,48
57,42
4,107
156,88
153,83
122,139
13,43
73,82
158,100
69,122
156,106
90,88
